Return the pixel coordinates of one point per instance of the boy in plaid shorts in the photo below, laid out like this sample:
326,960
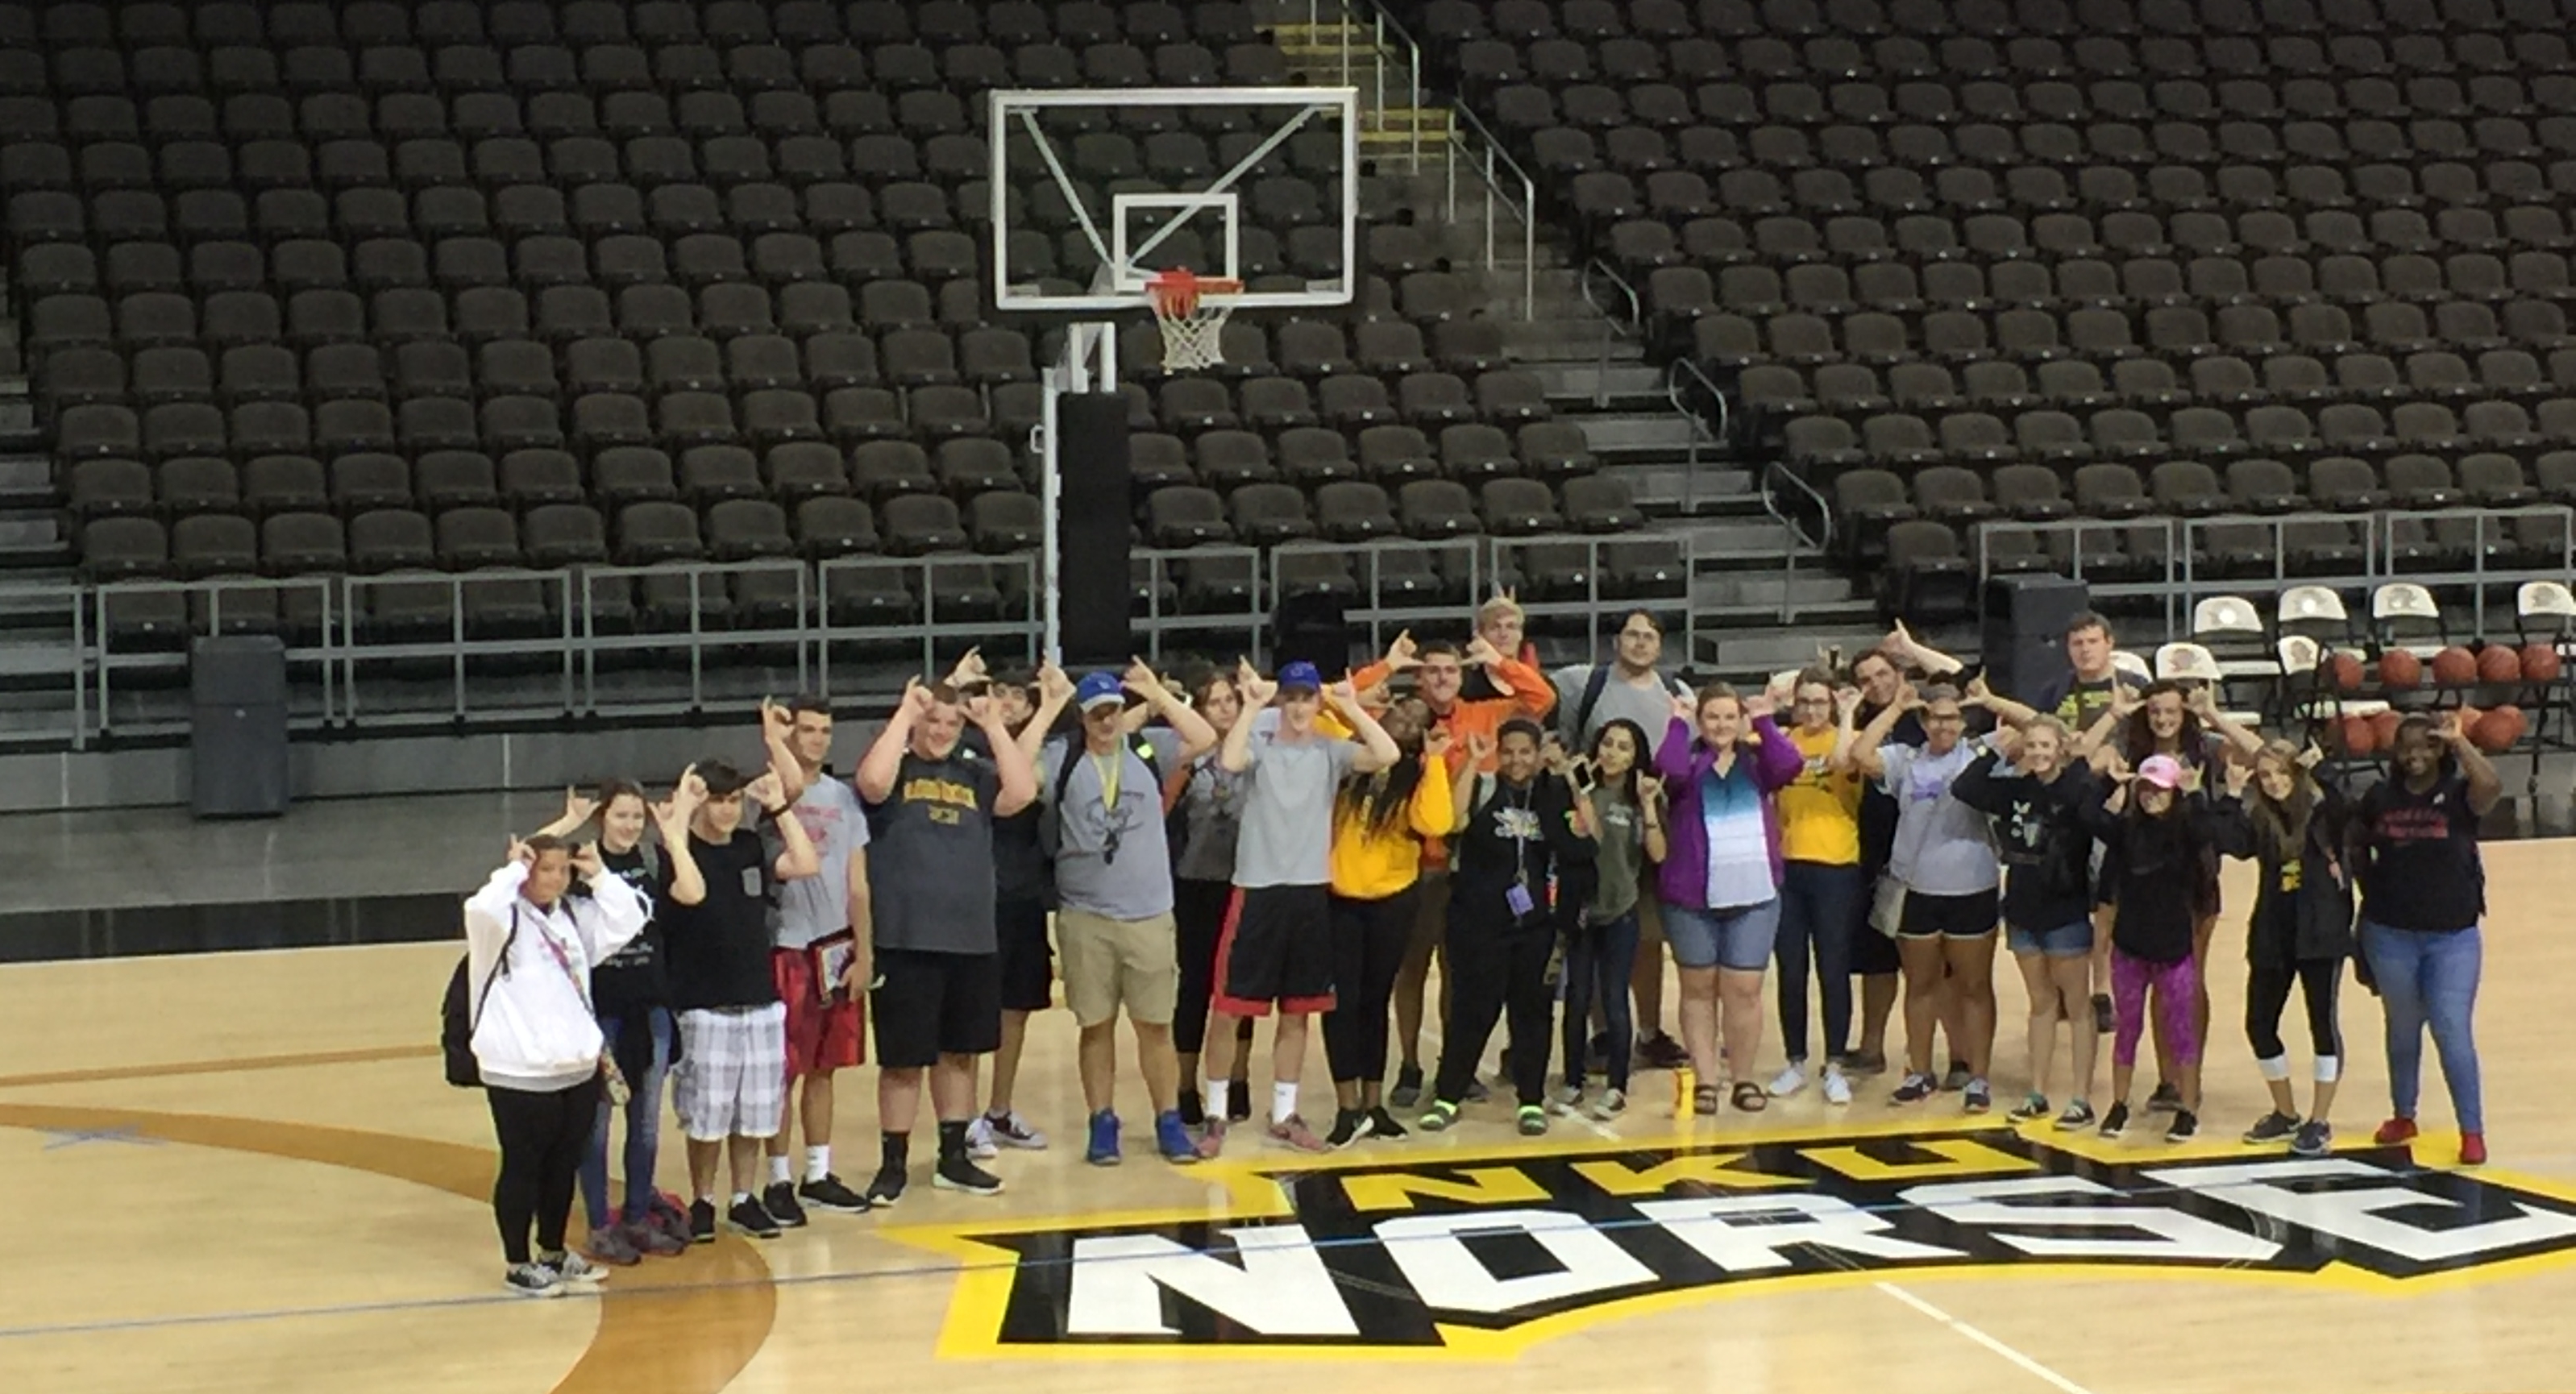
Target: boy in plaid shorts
731,1084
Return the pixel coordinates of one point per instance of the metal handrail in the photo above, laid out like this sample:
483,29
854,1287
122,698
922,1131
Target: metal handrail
1613,325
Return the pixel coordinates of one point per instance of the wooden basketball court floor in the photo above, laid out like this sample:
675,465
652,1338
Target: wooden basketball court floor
243,1172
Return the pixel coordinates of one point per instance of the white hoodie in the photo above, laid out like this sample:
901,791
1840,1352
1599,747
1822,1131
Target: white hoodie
535,1030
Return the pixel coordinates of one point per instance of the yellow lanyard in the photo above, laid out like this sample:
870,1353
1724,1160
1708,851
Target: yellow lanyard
1109,769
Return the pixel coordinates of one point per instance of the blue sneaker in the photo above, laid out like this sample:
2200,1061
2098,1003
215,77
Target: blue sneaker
1172,1138
1103,1151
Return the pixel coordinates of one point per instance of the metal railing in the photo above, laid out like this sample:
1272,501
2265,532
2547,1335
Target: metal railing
1682,380
1624,315
1376,54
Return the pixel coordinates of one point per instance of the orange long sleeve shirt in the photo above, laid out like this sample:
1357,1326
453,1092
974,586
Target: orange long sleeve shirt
1532,696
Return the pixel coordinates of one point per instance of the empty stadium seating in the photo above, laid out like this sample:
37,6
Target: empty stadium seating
391,288
2112,259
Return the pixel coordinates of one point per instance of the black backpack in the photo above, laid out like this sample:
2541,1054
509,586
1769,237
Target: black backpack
463,1007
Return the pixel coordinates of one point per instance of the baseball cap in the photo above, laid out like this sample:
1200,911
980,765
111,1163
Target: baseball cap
1300,675
2162,771
1099,689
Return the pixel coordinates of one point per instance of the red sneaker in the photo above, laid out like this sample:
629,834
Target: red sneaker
2394,1131
2473,1149
1292,1133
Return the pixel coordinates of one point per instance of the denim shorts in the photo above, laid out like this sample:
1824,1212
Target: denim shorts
2066,941
1739,937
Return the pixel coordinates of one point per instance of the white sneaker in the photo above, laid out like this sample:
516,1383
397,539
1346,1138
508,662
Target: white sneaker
979,1140
574,1270
1788,1081
1011,1130
1837,1088
1565,1100
532,1280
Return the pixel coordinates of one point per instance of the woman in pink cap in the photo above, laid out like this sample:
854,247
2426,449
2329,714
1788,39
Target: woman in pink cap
2155,840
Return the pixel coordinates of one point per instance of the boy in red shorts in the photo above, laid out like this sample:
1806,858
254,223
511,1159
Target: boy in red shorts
822,962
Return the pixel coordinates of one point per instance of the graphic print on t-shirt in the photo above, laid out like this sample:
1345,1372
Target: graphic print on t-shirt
948,801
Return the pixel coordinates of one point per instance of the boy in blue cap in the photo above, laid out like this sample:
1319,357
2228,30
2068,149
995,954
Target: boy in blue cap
1276,949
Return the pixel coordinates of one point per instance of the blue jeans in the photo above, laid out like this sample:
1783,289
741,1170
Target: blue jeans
1817,914
1598,959
643,1130
2429,979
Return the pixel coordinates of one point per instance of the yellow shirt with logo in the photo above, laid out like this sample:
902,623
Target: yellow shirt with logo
1820,809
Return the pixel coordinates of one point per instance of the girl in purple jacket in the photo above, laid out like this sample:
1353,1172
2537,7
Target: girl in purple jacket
1721,760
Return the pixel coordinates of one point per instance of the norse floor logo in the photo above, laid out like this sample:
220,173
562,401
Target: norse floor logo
1479,1252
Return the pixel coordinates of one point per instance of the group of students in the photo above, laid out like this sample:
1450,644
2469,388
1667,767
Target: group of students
1284,847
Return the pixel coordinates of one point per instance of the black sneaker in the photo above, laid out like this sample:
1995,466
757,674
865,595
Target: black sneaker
1382,1124
885,1188
702,1222
1957,1079
2165,1100
1193,1109
830,1194
780,1201
2102,1012
752,1218
959,1173
2315,1139
1238,1101
1865,1062
1477,1093
1349,1126
1915,1089
1979,1097
2186,1126
1408,1087
2275,1127
2033,1108
2116,1121
1659,1051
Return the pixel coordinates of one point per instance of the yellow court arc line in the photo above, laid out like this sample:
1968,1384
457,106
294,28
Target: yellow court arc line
726,1300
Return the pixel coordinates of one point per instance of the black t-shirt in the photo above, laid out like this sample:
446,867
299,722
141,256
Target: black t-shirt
2077,702
931,858
2420,868
2153,870
1021,870
2047,854
632,979
1514,837
1878,808
718,950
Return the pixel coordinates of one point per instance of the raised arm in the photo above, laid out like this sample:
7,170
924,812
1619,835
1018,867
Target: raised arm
487,915
1865,759
2204,704
1377,748
1432,813
1197,736
576,811
1463,793
1650,816
884,760
1235,753
797,859
1531,694
777,724
1976,786
1019,775
1054,691
2486,787
1673,752
1400,657
1776,762
1922,656
613,915
2006,711
672,815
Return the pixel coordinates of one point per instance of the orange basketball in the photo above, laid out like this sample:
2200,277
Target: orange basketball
2398,668
2346,672
2496,731
2383,730
2496,663
2354,733
2540,663
2455,667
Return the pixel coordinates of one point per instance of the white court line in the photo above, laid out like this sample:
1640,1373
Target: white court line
2060,1382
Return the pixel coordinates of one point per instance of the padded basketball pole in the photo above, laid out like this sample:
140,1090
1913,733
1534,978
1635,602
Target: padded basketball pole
1089,364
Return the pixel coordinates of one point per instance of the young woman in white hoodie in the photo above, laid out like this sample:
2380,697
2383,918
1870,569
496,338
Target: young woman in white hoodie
530,949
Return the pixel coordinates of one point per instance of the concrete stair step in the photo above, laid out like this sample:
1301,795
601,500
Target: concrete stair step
27,481
1758,655
1610,434
1628,385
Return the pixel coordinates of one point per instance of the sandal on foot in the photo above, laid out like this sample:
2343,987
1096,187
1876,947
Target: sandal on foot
1704,1100
1749,1096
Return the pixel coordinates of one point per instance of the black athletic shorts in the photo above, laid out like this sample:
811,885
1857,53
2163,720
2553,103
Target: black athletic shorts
1277,949
1950,916
1873,954
1028,963
934,1004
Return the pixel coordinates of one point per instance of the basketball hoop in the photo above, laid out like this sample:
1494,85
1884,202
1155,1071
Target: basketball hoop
1193,325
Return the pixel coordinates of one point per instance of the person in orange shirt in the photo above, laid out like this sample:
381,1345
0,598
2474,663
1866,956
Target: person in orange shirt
1380,823
1439,671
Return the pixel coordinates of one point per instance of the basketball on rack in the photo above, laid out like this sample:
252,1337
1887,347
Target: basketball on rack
2346,671
2540,663
2455,667
2355,735
2400,669
2499,664
2495,732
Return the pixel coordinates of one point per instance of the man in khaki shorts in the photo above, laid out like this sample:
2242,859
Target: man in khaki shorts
1113,872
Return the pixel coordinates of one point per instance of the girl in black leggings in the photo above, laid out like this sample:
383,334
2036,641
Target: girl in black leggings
2300,935
1205,799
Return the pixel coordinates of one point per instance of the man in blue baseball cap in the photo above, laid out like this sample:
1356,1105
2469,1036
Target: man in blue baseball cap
1113,874
1276,950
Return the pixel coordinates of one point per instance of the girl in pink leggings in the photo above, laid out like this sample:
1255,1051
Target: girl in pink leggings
2157,831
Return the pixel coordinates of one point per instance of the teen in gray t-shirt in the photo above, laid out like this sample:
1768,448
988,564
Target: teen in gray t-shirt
1288,809
1136,884
818,906
1943,847
1650,705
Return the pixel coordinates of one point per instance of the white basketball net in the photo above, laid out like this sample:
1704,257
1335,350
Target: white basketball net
1193,324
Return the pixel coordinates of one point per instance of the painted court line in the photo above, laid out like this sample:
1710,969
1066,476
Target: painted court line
2033,1367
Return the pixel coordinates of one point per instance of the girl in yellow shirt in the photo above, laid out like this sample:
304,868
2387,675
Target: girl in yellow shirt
1379,823
1820,885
